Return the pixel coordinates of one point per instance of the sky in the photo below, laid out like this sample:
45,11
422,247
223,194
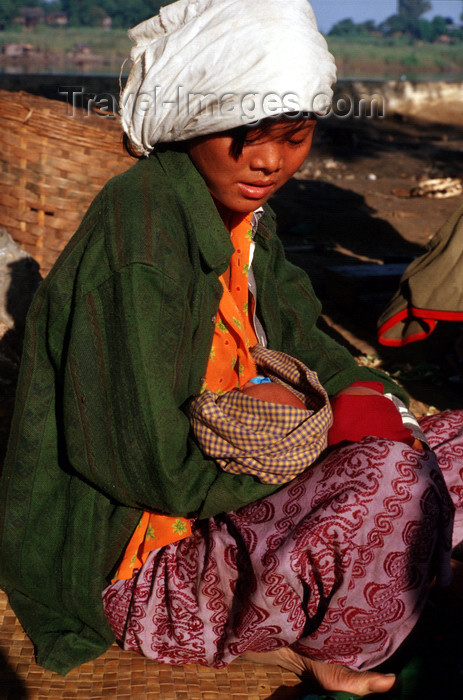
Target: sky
328,12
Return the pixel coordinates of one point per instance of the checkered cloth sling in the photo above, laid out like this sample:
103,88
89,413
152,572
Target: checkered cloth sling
271,441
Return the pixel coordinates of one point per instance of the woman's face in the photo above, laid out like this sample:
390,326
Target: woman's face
267,161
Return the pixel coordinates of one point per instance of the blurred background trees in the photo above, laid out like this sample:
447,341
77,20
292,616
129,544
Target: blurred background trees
81,12
412,10
408,22
121,12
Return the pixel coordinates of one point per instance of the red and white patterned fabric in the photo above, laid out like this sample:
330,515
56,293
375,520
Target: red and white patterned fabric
337,563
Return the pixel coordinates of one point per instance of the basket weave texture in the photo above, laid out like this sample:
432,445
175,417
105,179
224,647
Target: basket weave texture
52,164
125,675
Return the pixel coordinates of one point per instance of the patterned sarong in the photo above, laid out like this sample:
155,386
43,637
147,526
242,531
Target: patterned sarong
337,563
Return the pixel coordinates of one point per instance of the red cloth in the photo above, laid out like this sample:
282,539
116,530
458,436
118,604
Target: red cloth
356,417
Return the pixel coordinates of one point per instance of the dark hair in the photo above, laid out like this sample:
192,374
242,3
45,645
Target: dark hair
158,148
241,133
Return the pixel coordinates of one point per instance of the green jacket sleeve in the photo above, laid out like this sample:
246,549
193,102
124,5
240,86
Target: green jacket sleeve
128,370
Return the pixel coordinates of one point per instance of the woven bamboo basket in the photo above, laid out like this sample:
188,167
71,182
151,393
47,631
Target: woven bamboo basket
52,163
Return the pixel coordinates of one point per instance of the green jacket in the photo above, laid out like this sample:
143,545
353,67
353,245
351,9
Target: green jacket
117,338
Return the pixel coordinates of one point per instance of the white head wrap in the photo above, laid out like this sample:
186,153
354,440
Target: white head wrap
203,66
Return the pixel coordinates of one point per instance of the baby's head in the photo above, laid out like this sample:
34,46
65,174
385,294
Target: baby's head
272,392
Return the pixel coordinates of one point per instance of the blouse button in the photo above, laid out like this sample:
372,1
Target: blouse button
214,319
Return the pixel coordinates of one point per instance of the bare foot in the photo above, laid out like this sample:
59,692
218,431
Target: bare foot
331,677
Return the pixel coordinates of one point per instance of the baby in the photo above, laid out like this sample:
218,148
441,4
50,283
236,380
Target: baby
248,431
379,415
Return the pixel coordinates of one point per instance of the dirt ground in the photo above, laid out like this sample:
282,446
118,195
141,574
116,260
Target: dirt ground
350,205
